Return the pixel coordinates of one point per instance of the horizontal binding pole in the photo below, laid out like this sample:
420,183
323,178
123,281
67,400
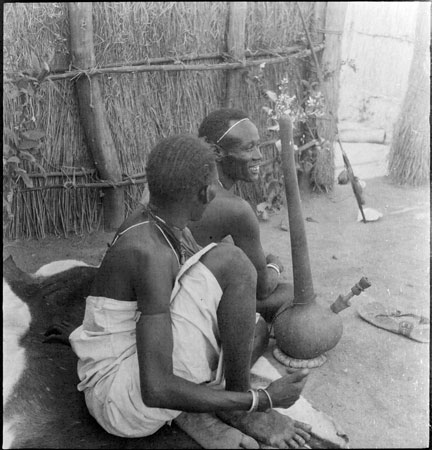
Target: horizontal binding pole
323,30
180,59
267,162
177,67
70,185
271,141
133,179
81,173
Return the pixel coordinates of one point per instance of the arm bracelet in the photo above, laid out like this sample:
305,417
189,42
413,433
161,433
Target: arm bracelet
255,400
269,398
275,267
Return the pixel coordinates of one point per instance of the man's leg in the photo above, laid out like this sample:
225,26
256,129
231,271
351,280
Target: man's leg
241,348
236,320
261,340
282,295
236,313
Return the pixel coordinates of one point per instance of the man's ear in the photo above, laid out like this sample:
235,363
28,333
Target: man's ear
218,151
206,194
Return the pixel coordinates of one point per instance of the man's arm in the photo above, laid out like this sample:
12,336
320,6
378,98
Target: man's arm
245,231
159,386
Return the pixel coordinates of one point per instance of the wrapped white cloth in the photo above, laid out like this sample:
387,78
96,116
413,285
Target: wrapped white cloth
106,347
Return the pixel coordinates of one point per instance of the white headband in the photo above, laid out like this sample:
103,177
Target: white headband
229,129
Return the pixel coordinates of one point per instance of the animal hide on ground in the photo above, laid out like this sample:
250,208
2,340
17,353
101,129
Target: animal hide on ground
42,407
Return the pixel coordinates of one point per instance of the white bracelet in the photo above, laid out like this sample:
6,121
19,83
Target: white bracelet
255,401
269,398
275,267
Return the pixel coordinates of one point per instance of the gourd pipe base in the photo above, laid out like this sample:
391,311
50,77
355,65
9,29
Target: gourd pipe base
318,340
307,331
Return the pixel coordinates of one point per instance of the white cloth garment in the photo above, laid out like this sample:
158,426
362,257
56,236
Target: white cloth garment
106,347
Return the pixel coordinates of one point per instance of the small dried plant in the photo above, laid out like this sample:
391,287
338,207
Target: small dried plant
305,111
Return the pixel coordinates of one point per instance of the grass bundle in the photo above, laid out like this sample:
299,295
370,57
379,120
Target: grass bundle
409,156
322,175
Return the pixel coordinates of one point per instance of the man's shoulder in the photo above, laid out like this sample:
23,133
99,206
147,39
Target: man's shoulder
137,243
227,214
236,212
233,203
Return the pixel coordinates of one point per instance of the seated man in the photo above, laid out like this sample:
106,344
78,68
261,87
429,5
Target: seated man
169,326
235,141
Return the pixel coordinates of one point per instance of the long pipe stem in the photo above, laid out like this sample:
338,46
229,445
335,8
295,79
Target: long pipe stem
302,276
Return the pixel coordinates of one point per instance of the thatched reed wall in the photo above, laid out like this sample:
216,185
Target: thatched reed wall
141,107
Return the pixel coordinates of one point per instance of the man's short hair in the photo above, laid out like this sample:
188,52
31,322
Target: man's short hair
217,123
177,167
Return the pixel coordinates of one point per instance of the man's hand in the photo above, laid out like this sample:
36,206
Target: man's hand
285,391
272,259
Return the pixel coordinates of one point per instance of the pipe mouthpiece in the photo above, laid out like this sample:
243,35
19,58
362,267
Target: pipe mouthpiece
358,288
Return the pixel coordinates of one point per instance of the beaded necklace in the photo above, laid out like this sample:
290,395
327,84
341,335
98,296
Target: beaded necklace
182,248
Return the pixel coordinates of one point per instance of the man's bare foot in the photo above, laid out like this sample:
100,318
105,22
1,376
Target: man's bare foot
271,428
211,432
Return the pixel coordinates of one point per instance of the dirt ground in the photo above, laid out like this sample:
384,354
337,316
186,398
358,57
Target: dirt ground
375,384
